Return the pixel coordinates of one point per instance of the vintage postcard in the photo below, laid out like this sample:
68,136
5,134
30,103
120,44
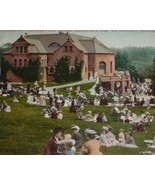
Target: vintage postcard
71,92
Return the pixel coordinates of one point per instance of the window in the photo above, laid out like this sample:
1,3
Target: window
102,68
25,63
15,62
25,49
52,70
66,48
70,48
17,49
21,49
20,62
72,70
111,67
54,46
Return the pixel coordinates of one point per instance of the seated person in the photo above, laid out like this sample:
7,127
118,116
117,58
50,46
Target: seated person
103,139
115,110
103,101
142,102
88,116
111,137
92,146
68,148
104,118
77,136
59,115
73,107
99,118
15,100
129,138
6,107
47,114
80,116
140,127
54,114
96,102
95,118
121,137
123,118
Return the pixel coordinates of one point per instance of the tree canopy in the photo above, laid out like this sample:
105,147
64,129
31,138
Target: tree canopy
63,73
123,62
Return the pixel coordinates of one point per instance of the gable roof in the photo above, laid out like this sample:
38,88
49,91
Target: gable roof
41,43
37,46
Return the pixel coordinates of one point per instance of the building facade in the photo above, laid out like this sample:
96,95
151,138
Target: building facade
98,59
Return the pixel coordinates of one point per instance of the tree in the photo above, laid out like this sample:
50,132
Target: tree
151,75
123,62
62,73
30,73
3,48
77,76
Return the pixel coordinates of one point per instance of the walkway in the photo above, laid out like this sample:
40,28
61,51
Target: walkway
71,84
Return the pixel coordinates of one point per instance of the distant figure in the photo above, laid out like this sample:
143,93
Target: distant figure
28,88
91,76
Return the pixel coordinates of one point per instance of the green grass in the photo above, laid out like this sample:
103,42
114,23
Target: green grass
26,131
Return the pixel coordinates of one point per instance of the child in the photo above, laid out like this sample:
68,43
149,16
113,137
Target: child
121,137
69,150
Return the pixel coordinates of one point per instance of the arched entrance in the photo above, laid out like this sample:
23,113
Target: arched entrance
102,68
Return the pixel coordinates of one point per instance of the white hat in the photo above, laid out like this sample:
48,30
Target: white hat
75,127
89,131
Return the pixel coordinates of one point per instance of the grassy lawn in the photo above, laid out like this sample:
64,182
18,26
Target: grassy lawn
26,131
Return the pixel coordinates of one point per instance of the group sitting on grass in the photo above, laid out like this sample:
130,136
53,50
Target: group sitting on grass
137,121
72,144
88,117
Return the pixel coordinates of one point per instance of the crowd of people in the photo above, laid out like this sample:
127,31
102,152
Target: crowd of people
72,144
137,121
52,104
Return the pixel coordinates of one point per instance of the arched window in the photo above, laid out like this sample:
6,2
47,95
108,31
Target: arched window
52,70
111,67
54,46
102,68
72,70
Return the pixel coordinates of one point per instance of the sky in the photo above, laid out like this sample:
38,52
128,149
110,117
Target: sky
113,38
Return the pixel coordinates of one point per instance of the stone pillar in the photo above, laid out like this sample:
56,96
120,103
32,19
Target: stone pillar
112,88
123,87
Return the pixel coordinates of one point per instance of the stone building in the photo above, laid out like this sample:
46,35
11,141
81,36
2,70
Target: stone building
98,59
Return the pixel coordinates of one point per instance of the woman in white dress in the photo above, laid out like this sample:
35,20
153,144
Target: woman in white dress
121,137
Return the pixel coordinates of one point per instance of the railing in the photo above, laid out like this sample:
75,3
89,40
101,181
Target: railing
113,78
